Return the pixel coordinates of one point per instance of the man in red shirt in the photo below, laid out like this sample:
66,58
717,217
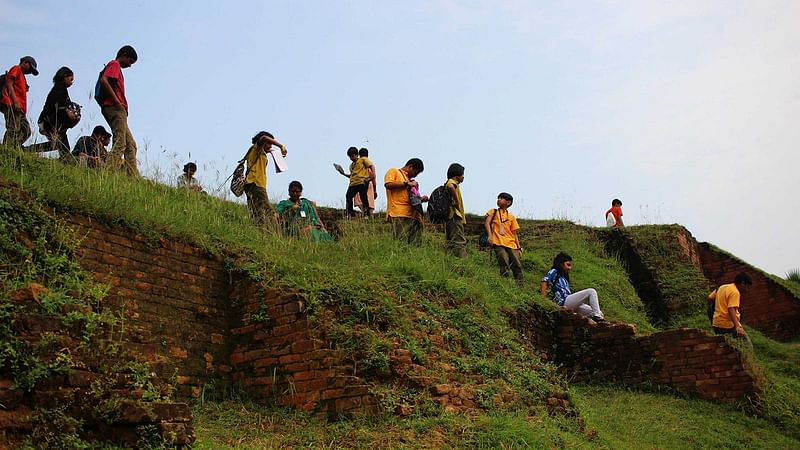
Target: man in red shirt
14,102
114,107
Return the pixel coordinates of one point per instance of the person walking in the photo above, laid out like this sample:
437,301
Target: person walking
114,107
14,102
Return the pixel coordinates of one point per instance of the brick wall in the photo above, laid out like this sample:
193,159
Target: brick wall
174,297
688,360
767,306
283,359
82,387
194,319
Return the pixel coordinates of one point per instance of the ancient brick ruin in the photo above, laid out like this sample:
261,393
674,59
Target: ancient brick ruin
768,306
688,360
210,326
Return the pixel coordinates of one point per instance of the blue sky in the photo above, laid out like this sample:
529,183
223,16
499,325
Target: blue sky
685,110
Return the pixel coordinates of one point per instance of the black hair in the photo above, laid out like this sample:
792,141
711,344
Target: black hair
616,202
188,166
558,264
743,278
455,170
363,151
296,184
61,74
352,151
261,134
127,50
506,196
416,164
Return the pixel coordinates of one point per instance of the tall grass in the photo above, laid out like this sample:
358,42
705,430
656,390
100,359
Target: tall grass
793,275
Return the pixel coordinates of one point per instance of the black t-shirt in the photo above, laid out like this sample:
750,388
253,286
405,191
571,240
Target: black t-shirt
54,115
86,144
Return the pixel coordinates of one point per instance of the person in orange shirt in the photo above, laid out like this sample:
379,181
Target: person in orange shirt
501,229
399,211
14,102
727,299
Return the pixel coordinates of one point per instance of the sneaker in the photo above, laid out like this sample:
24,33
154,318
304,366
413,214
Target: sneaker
598,319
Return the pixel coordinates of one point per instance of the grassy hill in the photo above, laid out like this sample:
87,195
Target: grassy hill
368,292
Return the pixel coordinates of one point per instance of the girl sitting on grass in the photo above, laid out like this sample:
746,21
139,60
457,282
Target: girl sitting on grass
584,302
299,216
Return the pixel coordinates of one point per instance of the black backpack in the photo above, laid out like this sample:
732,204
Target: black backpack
439,205
483,240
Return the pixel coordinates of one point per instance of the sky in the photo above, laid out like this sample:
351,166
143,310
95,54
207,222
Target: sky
685,110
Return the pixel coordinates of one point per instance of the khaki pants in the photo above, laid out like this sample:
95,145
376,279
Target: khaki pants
508,258
407,229
18,130
124,146
455,242
258,203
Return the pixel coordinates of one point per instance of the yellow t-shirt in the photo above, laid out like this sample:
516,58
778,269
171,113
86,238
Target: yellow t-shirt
257,167
727,297
359,171
510,226
456,211
397,203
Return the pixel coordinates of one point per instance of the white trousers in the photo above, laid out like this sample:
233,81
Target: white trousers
585,302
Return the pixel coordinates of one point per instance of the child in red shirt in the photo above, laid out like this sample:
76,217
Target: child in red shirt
614,214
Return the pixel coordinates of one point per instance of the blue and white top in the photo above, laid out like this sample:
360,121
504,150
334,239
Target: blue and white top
560,288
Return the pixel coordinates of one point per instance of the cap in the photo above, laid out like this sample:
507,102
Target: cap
101,131
32,62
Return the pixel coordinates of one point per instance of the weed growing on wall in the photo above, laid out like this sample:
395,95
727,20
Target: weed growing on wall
43,288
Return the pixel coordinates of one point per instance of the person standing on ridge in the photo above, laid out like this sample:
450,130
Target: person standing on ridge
399,211
359,178
455,242
501,230
14,102
614,214
372,187
114,106
58,115
256,179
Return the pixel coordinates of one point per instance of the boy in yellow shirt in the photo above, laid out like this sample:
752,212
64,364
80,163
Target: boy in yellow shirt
455,242
501,228
359,178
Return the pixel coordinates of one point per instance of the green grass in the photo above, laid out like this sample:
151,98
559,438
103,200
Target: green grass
629,419
248,426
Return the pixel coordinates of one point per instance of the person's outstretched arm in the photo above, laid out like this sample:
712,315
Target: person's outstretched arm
264,140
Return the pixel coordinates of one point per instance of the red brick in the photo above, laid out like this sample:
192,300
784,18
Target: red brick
303,346
348,403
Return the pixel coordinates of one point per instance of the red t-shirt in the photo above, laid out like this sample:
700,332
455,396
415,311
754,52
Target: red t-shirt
17,80
113,72
617,212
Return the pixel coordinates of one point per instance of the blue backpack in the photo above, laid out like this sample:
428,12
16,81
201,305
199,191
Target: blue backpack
100,94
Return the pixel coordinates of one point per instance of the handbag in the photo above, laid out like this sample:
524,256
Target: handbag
238,178
73,113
